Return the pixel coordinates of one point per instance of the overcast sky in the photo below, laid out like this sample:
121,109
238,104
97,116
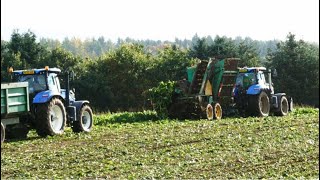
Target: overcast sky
162,19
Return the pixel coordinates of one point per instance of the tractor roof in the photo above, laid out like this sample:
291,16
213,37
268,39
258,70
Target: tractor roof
37,71
252,69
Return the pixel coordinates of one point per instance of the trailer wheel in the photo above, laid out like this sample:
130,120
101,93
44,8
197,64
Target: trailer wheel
259,105
17,131
214,112
3,132
284,107
84,120
51,118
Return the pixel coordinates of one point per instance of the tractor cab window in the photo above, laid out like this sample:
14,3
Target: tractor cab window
36,83
262,79
53,82
246,79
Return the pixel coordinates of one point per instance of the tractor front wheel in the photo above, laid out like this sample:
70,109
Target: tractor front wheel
284,107
51,118
84,120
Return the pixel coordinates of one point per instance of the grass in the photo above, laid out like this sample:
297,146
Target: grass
272,147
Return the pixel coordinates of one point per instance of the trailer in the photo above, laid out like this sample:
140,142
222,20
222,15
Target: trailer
14,106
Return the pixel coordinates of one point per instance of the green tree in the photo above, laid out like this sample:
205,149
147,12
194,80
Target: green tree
25,46
247,53
117,80
8,59
222,47
200,49
171,64
297,65
21,52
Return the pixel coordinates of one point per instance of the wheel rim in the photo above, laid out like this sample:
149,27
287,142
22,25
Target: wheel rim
86,120
56,118
284,106
218,111
264,105
209,112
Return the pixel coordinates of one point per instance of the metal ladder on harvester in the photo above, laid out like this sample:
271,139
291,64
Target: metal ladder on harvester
228,79
198,77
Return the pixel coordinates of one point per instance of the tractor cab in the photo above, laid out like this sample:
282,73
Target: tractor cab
252,81
43,83
40,81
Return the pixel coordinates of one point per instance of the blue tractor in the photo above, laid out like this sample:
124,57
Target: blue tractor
53,108
254,95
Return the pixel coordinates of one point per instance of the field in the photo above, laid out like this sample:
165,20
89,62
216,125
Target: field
138,146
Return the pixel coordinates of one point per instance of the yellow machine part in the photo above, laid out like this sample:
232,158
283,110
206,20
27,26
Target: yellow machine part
208,88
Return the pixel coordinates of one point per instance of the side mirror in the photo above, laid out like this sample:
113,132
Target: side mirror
71,75
274,73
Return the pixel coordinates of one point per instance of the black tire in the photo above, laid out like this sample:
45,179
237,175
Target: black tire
214,111
51,118
3,132
84,121
259,105
17,131
284,107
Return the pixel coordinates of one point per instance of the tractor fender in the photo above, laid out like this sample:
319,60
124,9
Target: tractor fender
255,89
78,105
45,96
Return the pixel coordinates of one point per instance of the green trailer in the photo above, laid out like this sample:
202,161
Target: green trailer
14,104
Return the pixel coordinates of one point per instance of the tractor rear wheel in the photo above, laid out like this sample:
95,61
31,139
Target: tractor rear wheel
259,105
2,133
51,118
214,112
84,120
284,107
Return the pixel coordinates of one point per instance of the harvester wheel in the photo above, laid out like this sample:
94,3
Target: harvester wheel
2,133
259,105
284,107
214,112
51,118
84,120
209,111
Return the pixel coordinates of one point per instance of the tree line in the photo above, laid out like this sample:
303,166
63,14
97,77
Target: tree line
92,47
115,76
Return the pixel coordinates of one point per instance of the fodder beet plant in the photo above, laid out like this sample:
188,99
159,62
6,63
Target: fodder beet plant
231,148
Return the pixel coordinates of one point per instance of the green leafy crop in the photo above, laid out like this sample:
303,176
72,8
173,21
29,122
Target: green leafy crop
161,97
